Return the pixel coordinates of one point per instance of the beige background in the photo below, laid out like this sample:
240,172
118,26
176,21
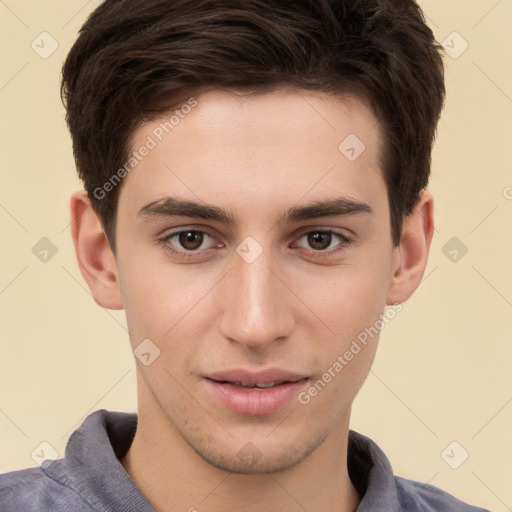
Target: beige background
442,373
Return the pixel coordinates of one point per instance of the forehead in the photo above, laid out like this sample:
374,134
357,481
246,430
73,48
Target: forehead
237,146
222,112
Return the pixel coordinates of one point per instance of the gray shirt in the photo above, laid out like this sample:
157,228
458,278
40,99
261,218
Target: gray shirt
91,478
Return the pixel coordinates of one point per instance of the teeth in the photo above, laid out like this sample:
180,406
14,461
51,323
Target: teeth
258,384
268,384
265,384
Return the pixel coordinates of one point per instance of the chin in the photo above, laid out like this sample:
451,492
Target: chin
251,460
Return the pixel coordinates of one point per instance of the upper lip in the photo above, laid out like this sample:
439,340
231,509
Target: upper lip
249,378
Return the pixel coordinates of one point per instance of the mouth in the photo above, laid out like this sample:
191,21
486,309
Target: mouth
255,393
257,385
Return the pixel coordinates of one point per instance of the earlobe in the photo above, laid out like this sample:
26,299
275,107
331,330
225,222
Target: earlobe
95,258
411,255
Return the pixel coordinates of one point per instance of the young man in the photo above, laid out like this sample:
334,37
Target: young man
254,178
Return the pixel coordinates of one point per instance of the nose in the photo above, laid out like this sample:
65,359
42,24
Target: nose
256,305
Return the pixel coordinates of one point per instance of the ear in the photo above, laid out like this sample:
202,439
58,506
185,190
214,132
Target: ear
411,255
95,258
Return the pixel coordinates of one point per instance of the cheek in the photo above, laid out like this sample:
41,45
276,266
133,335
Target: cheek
351,308
163,301
350,304
349,298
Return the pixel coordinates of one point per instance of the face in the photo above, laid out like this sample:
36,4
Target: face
253,293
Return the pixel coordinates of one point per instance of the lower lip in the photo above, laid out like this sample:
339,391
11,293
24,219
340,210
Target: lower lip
255,401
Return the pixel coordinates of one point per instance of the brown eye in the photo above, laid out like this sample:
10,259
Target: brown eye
319,240
190,240
323,242
187,242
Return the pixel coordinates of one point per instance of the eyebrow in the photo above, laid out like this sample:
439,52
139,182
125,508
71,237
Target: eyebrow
175,207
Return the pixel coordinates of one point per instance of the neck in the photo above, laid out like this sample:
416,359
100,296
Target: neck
172,476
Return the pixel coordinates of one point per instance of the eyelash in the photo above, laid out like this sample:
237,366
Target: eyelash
343,239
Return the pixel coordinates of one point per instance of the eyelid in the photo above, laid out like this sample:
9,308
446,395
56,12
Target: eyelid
344,241
344,232
164,240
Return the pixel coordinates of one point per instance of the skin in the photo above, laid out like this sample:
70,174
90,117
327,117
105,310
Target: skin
293,307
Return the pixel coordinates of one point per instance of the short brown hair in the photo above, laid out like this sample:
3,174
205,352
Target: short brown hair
131,54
